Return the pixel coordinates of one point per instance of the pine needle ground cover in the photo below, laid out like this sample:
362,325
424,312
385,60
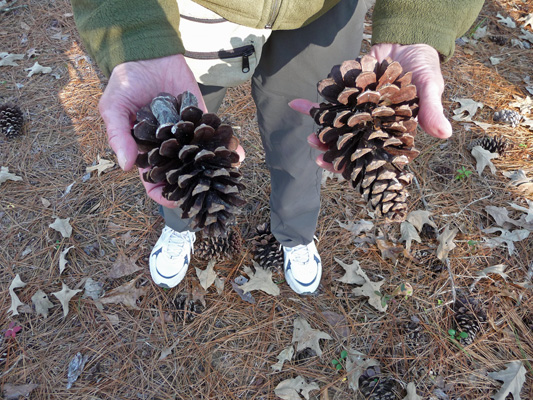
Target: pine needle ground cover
437,307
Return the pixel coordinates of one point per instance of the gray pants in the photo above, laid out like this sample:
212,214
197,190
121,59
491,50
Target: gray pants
291,65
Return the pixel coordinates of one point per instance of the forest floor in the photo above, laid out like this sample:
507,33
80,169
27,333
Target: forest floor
191,343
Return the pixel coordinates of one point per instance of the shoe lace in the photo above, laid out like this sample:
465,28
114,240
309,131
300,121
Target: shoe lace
300,253
177,241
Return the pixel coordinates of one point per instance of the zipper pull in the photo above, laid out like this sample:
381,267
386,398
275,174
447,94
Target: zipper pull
246,61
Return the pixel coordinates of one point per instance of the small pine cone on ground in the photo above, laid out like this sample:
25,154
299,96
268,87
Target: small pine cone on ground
468,316
194,156
266,249
497,144
218,246
375,386
369,124
11,120
510,117
188,308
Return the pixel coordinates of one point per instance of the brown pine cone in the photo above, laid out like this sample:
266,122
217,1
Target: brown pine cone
497,144
11,120
218,246
368,124
194,155
468,316
266,249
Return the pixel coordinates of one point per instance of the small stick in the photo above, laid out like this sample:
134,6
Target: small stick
454,292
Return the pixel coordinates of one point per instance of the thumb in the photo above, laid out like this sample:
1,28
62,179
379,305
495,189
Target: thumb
431,113
119,137
302,105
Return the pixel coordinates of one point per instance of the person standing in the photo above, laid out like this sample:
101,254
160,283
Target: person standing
150,46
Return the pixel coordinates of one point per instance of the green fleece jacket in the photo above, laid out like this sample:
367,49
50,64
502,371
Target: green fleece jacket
116,31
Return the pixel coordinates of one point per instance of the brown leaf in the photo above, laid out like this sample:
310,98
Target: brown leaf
338,323
123,266
126,294
388,250
307,337
13,392
64,296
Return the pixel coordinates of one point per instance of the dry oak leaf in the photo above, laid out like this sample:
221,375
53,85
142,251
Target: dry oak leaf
307,337
123,266
506,237
483,158
411,392
409,234
126,294
508,22
419,218
528,20
356,364
495,269
358,227
14,392
500,216
64,296
529,211
353,274
37,69
93,289
62,226
446,243
524,104
285,355
41,303
467,106
207,276
6,175
289,389
7,59
260,280
102,165
368,289
62,259
388,249
513,378
15,301
521,181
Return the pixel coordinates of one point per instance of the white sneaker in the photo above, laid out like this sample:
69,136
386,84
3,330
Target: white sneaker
303,268
171,256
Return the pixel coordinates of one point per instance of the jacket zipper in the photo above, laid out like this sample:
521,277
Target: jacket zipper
244,51
274,11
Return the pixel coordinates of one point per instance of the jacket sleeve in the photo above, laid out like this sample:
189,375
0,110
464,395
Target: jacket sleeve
116,31
434,22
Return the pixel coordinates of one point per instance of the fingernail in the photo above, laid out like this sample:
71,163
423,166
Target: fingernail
122,160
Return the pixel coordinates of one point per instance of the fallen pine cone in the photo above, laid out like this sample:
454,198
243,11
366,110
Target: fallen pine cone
368,124
195,156
11,120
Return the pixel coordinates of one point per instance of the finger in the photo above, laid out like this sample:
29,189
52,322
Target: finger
302,105
118,127
431,113
241,153
327,166
315,143
155,191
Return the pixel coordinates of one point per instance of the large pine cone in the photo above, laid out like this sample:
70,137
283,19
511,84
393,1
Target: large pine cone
11,120
368,124
194,155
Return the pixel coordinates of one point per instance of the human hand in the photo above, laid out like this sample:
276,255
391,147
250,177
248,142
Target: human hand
131,86
423,61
